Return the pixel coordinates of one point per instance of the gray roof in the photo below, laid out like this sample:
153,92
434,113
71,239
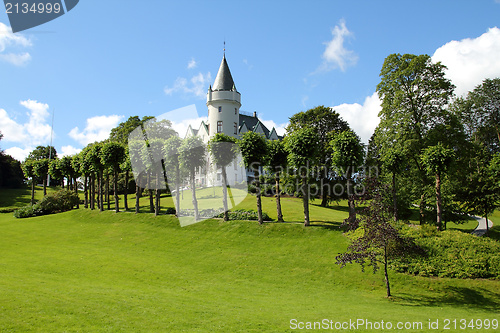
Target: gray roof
252,122
224,80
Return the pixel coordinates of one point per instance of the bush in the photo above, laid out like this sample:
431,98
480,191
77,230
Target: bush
451,254
242,214
59,201
170,210
27,211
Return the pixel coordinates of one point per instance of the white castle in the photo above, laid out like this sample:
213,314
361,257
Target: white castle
224,116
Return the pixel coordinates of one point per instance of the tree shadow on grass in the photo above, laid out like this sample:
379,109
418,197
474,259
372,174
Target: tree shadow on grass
479,298
15,197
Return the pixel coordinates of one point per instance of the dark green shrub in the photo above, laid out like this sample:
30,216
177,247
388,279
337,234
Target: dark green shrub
59,201
170,210
242,214
27,211
451,254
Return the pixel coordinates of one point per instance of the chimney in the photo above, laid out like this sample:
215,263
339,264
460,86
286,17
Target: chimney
255,114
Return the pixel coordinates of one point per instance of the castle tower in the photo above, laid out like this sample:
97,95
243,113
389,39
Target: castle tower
223,102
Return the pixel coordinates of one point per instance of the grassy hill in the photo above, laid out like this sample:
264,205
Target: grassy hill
88,271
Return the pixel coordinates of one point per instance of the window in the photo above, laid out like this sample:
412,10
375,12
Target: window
235,165
235,177
220,108
235,110
218,176
235,128
219,126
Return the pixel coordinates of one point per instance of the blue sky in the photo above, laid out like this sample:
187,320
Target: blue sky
107,60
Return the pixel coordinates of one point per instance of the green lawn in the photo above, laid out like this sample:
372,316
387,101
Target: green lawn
85,271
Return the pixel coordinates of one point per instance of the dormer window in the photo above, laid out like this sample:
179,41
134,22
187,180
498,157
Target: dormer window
235,110
220,108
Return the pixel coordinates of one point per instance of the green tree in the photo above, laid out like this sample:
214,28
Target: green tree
393,161
126,166
302,149
41,152
29,173
172,165
277,161
327,123
414,94
436,160
253,148
41,170
94,158
221,148
192,156
121,132
347,156
112,155
135,149
376,241
485,107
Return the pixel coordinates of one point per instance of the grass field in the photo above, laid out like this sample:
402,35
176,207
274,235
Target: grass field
85,271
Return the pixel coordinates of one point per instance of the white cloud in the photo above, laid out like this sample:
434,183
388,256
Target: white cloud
97,129
16,41
19,153
335,54
17,59
196,86
69,150
34,132
192,64
470,61
363,119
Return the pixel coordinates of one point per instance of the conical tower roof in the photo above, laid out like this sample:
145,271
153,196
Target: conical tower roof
224,80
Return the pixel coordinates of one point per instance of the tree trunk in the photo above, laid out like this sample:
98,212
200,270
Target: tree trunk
177,194
85,192
107,190
439,204
422,209
257,193
125,194
76,192
350,201
224,194
278,199
305,201
193,196
157,195
32,191
115,189
101,197
487,224
388,287
324,184
92,191
137,196
394,198
44,186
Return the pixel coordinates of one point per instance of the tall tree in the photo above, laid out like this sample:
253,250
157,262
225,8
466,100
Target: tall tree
126,166
327,123
121,132
393,162
172,165
377,240
277,160
192,156
347,157
29,172
112,155
253,148
135,149
94,157
221,148
41,170
41,152
436,160
485,100
76,173
414,94
302,149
